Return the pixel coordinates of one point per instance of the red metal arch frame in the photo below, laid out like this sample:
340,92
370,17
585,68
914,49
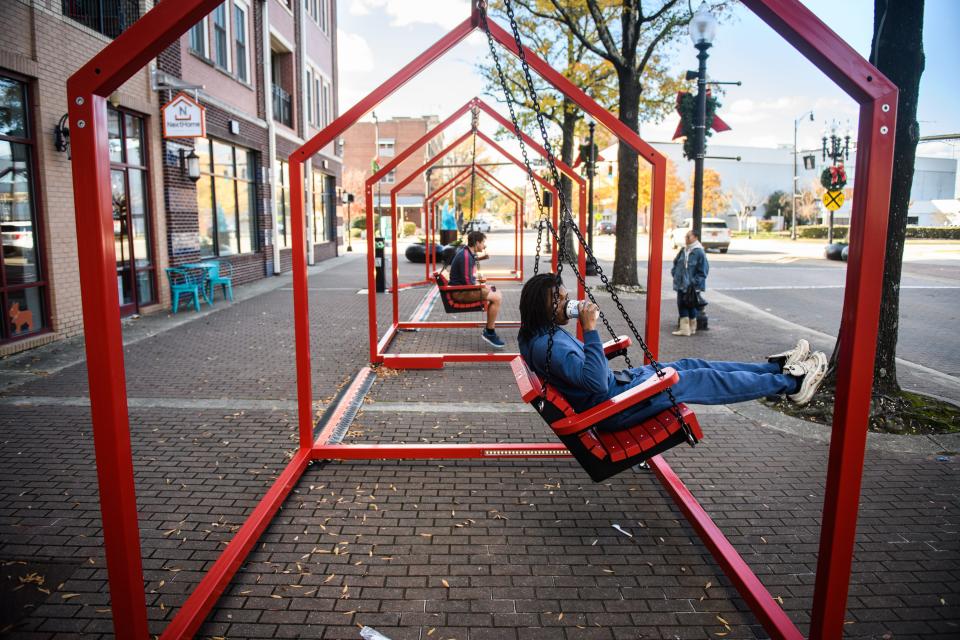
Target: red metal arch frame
437,360
499,187
474,104
87,91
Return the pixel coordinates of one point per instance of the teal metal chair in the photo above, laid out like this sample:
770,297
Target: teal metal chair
189,282
221,275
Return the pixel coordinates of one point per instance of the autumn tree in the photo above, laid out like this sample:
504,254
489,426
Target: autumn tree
354,181
633,37
675,188
574,60
716,202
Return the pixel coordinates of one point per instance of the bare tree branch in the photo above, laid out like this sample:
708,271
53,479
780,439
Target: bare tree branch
610,53
666,31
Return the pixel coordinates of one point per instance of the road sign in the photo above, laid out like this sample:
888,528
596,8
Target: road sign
833,200
184,117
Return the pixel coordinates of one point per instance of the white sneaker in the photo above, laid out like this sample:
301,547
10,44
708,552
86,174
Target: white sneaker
813,370
792,356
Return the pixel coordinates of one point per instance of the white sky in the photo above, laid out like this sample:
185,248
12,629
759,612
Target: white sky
378,37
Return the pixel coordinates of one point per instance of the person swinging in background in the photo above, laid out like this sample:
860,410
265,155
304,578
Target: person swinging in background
464,271
690,269
581,373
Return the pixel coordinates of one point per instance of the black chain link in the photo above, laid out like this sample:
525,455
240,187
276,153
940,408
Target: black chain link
565,213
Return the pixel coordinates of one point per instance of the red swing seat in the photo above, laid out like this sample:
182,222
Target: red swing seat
449,304
602,453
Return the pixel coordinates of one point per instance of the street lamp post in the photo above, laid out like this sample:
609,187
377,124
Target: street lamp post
838,151
703,28
796,192
591,172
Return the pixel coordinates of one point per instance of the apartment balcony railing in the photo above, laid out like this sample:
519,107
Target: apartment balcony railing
109,17
282,106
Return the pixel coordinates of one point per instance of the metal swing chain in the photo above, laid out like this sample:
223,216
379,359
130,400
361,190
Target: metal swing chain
508,94
565,213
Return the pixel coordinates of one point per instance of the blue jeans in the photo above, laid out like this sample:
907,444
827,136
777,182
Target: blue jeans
709,382
685,312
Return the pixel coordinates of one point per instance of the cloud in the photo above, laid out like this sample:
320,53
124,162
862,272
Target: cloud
446,14
355,55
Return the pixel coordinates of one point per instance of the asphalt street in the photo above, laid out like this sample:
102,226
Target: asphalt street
792,281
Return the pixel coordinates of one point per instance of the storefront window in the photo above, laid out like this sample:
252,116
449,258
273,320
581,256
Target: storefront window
282,170
22,281
132,233
319,207
225,195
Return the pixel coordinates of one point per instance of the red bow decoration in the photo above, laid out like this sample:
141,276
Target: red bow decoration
717,125
837,174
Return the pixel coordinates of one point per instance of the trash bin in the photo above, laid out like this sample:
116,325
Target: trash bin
380,262
448,236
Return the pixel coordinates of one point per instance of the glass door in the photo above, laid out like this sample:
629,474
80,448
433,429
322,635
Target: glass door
132,234
23,287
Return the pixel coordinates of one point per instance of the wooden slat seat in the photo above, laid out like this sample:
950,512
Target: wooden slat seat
604,453
449,304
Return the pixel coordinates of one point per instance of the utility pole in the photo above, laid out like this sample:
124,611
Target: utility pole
591,172
703,27
795,193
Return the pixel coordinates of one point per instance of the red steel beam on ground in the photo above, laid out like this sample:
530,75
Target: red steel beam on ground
439,451
198,606
770,615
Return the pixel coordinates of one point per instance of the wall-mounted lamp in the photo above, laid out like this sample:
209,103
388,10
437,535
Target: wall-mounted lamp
190,164
61,135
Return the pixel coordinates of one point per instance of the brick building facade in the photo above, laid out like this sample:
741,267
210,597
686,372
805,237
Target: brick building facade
265,89
394,135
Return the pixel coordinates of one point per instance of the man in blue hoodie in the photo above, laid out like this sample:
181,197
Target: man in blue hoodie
581,373
465,271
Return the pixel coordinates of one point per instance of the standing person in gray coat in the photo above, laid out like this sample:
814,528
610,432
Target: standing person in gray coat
690,269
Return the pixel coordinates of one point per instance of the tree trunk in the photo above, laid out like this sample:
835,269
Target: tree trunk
898,54
625,259
568,128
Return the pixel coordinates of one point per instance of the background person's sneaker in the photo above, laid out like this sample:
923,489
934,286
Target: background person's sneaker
814,370
491,338
792,356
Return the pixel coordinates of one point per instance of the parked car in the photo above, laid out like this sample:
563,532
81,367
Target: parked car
714,231
606,227
477,224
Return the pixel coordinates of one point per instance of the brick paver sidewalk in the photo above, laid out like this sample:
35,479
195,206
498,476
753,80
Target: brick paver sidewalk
448,549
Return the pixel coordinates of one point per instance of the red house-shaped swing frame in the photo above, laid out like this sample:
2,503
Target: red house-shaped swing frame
519,213
87,91
379,346
476,105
